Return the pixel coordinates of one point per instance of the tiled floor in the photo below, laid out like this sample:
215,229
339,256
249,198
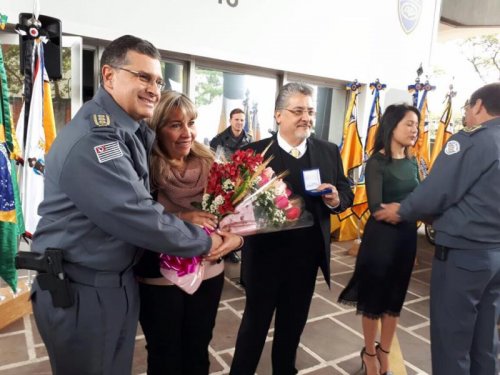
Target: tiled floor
330,343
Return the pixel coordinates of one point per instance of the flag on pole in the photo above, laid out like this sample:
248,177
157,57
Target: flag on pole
351,148
374,118
36,132
248,127
421,149
222,118
255,123
351,152
359,213
444,130
11,219
360,204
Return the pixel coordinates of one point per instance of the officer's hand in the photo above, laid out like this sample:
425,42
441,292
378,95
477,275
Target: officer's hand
388,212
231,242
216,242
201,218
332,199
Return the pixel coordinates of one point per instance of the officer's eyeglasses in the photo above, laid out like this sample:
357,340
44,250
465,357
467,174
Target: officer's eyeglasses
146,78
300,112
465,107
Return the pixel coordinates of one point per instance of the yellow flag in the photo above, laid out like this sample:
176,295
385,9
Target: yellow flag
374,119
351,149
444,131
421,147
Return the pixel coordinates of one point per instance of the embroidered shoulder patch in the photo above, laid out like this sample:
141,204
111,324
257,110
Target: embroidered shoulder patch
108,151
101,120
452,147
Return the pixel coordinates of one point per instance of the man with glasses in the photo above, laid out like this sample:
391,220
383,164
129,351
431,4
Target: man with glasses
462,194
280,268
98,213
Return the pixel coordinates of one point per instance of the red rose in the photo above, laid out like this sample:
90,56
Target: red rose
292,213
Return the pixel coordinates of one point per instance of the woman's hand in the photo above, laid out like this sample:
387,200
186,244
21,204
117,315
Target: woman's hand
230,243
201,218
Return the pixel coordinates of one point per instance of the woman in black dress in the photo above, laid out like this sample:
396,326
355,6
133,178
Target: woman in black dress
387,252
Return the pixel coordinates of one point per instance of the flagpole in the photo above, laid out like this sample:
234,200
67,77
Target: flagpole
360,196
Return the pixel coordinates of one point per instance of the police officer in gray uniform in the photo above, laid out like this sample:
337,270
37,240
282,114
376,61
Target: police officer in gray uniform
462,195
99,212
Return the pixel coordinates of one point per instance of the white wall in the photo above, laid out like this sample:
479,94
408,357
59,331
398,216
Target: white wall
332,39
344,40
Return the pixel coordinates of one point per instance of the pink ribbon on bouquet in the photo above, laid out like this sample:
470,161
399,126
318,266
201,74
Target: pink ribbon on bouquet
183,266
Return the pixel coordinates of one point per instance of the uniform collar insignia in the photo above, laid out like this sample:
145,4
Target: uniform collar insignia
101,120
472,129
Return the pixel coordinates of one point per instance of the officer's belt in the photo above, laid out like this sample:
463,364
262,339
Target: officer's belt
99,279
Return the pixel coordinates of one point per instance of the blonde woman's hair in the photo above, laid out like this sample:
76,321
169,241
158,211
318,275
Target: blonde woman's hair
161,162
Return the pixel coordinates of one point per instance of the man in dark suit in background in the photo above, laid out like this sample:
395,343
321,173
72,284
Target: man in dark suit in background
281,267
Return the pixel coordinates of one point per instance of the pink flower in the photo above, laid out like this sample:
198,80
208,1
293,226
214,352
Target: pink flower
292,213
263,180
268,172
288,192
280,187
281,202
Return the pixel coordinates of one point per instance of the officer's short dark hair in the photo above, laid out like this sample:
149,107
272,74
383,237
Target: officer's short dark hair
490,97
390,119
116,52
235,112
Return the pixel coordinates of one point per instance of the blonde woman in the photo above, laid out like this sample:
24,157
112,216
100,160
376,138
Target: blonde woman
177,325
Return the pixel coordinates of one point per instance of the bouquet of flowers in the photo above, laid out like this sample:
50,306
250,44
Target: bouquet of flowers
249,198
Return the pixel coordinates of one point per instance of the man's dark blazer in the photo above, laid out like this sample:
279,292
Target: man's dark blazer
325,156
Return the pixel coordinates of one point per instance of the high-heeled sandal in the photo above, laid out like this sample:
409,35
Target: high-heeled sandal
363,364
377,348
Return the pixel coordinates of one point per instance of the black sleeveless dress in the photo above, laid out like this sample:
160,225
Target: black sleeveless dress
387,252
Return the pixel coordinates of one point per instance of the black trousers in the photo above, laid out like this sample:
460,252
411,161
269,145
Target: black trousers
281,280
178,326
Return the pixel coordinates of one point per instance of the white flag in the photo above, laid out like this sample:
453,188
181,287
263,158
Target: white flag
40,126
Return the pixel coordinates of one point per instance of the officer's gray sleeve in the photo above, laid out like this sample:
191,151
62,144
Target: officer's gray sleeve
450,178
113,196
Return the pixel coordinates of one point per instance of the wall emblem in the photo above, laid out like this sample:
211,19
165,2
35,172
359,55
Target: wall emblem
409,14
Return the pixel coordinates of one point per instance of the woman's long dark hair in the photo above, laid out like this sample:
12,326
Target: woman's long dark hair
390,119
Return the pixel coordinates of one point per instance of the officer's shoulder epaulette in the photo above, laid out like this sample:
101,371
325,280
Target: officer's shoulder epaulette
472,130
100,120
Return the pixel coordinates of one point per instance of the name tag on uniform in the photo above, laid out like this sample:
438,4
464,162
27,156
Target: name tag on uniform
108,151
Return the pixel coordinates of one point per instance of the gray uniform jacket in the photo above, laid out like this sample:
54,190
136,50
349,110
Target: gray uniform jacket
462,191
97,205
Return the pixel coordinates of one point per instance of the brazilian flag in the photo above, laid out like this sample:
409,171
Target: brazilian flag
11,220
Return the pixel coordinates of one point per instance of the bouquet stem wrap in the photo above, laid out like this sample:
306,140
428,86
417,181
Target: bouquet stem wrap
186,273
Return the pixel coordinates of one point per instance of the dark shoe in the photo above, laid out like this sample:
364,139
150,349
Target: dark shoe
233,257
363,364
378,352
